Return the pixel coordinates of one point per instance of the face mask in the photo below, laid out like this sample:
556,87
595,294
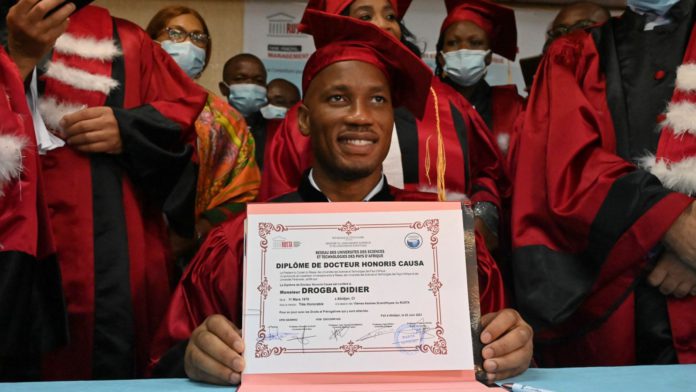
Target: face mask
247,98
190,57
659,7
273,112
466,67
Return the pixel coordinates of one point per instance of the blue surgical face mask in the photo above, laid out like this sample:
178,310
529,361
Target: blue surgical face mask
190,57
660,7
273,112
465,67
247,98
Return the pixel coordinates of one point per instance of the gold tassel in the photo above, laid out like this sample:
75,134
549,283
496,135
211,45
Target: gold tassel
427,160
441,158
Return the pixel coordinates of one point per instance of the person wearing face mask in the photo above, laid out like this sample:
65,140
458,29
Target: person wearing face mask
244,85
604,256
471,33
282,95
449,151
225,172
121,116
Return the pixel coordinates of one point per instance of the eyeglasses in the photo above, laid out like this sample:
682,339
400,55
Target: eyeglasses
563,30
177,34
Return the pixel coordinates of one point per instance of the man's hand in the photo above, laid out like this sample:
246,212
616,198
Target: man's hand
673,277
31,34
508,341
681,237
93,130
214,352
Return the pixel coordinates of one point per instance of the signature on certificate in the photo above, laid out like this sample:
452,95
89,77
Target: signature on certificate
375,333
303,338
275,334
338,331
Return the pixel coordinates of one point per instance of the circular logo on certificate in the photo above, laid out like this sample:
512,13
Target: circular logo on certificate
413,240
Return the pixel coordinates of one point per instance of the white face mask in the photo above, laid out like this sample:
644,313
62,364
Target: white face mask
465,66
273,112
247,98
190,57
659,7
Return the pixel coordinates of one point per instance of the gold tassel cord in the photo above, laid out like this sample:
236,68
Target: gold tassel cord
441,158
427,160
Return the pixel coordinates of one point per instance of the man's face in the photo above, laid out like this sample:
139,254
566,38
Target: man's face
348,114
244,71
283,94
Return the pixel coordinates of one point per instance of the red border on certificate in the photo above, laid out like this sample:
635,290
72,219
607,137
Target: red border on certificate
432,226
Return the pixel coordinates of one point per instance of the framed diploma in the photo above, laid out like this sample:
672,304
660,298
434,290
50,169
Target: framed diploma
383,290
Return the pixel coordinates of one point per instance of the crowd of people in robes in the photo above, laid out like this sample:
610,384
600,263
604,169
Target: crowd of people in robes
123,183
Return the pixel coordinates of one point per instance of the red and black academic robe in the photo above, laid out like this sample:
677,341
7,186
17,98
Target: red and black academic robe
474,165
499,106
212,283
107,210
587,223
31,296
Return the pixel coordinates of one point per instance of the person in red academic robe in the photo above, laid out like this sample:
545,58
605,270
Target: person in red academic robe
351,84
448,151
471,33
125,111
603,252
31,296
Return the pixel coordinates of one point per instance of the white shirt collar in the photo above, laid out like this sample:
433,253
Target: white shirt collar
368,197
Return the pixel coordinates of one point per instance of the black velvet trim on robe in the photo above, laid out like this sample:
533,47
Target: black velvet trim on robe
34,318
308,193
481,99
257,126
407,130
462,135
114,325
171,365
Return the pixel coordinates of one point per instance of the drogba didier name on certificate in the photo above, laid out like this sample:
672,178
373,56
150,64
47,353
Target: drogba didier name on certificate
337,291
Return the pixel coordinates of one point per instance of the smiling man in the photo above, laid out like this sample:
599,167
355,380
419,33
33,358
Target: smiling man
351,85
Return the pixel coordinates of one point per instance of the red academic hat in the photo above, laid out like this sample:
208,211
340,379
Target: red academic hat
337,7
498,22
339,38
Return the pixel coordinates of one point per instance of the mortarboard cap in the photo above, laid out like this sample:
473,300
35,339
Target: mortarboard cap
336,7
498,22
339,38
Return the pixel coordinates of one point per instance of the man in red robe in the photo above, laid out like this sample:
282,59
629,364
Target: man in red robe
603,252
448,150
351,84
31,297
125,111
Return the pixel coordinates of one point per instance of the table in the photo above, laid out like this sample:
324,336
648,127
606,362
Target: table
634,379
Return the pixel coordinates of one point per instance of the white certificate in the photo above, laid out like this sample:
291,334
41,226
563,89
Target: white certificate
356,287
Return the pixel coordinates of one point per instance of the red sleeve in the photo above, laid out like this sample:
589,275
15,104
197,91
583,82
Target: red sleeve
211,284
288,155
581,214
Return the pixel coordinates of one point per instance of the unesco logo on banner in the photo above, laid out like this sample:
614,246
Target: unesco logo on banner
282,25
283,243
413,240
